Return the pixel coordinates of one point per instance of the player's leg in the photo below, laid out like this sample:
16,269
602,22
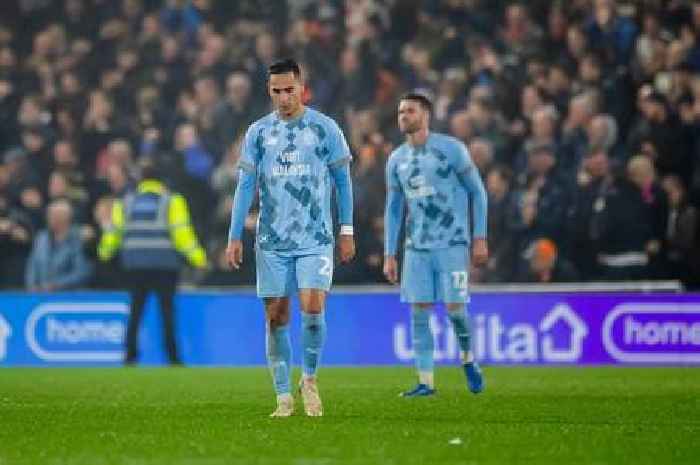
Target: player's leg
313,329
423,348
454,289
459,318
312,340
279,352
314,275
418,289
273,278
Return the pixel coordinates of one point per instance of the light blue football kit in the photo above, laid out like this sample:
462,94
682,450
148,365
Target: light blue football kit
435,182
294,164
440,187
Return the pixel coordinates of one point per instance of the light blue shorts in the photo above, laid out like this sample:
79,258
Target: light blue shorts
281,274
439,275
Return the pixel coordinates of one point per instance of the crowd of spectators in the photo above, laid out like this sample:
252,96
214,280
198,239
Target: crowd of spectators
581,115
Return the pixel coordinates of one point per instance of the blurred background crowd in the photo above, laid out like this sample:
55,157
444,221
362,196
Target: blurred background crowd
581,115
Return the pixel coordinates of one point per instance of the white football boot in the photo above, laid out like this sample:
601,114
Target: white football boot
309,394
285,406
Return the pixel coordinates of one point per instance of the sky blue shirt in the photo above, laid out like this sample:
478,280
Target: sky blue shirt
294,163
438,182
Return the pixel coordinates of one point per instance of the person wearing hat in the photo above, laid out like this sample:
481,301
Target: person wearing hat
545,265
151,230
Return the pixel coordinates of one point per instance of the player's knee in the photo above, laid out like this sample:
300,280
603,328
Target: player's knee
423,306
277,319
313,309
312,302
455,307
277,311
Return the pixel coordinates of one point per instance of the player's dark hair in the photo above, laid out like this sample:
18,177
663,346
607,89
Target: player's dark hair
424,101
287,65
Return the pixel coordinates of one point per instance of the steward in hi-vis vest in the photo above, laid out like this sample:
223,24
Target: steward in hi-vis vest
151,230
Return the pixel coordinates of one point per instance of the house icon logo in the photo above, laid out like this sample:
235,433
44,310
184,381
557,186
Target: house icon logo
563,314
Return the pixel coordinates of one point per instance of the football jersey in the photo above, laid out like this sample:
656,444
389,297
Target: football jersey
437,201
292,161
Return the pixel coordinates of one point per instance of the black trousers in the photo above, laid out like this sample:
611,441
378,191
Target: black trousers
140,283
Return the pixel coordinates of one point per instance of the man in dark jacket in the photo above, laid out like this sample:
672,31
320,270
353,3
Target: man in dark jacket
610,227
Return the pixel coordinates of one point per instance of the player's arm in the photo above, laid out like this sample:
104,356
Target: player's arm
393,216
244,195
242,201
343,184
339,166
470,179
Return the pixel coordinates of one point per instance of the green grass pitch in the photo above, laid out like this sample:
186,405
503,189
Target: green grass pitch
217,416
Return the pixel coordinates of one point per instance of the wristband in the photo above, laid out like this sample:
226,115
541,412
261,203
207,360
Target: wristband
346,230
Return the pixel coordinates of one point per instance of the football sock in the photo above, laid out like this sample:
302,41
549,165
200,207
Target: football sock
423,344
312,339
279,357
460,325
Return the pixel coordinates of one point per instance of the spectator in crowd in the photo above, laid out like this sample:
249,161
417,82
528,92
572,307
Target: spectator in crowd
66,161
602,131
501,203
57,261
541,200
544,265
610,240
197,165
543,131
641,171
236,111
481,151
658,125
15,241
682,251
574,143
610,33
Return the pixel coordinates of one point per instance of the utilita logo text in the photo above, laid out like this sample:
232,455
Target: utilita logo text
496,341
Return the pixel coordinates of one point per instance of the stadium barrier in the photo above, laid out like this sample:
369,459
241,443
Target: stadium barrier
367,326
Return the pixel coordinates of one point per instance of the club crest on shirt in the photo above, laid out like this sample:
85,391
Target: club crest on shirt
418,187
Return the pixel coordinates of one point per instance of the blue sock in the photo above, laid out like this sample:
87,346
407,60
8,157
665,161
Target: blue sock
312,339
462,329
423,343
279,357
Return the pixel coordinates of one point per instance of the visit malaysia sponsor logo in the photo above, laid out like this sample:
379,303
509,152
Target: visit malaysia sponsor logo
653,333
77,331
